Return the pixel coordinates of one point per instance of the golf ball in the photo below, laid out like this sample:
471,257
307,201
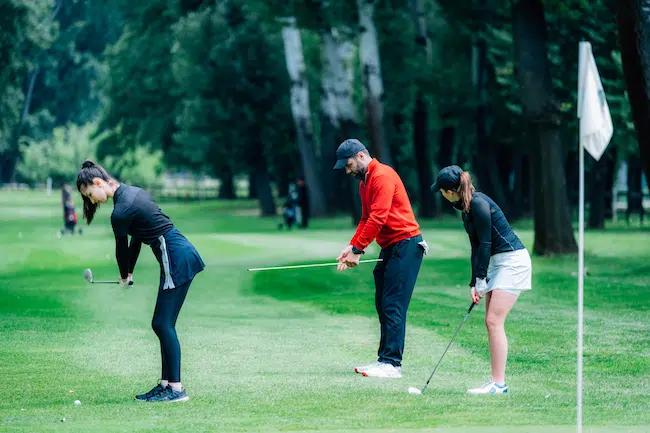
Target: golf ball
413,390
77,402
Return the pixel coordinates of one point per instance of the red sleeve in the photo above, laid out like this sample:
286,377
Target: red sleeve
362,221
381,200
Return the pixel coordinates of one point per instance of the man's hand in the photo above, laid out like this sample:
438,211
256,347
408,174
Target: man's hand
344,252
352,260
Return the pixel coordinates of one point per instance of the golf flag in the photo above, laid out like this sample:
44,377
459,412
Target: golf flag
596,127
596,130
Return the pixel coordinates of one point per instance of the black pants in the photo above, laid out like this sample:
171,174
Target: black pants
168,306
395,278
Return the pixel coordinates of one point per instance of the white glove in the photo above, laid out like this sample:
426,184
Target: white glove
481,287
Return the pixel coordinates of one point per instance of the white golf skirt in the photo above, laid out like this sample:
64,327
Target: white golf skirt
510,271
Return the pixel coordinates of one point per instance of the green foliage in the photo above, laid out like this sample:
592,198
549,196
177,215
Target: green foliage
137,166
233,88
25,29
140,88
59,156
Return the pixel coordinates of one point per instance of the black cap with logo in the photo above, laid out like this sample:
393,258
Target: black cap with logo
347,149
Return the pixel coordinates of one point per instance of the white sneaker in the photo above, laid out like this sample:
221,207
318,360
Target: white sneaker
489,388
383,370
365,367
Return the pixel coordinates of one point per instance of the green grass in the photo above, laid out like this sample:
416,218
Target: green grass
274,351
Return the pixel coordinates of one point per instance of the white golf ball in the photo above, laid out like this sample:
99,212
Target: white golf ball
413,390
77,402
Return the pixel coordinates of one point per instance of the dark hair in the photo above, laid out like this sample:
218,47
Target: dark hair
465,190
90,171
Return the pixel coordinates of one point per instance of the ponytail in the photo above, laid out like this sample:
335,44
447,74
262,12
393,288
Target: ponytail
89,172
465,190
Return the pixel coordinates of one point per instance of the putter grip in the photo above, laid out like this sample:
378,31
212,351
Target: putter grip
471,306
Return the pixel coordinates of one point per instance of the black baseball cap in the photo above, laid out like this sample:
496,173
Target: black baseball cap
348,148
448,179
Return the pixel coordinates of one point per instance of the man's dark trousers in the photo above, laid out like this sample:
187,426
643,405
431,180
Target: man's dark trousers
395,278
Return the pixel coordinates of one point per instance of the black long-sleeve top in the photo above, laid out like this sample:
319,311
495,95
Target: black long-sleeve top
489,233
135,214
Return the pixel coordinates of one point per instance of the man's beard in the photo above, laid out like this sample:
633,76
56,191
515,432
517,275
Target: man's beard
361,173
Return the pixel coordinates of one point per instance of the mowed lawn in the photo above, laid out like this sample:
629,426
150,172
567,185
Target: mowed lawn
275,351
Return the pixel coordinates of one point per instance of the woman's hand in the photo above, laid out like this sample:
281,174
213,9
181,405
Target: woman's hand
475,297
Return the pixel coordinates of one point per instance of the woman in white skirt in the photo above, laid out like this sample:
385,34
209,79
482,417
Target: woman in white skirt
501,266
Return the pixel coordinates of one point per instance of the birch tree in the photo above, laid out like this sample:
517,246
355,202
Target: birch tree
421,145
302,114
372,80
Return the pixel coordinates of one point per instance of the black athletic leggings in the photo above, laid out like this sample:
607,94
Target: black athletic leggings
168,306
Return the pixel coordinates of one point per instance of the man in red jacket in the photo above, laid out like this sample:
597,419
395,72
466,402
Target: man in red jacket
387,217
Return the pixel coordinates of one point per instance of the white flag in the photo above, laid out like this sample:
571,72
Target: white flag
596,127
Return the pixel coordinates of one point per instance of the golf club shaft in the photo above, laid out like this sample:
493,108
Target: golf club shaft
105,282
452,339
275,268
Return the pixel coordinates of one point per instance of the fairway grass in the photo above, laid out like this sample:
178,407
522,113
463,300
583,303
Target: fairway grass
275,351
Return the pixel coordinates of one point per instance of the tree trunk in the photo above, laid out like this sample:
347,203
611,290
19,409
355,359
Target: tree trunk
427,208
11,156
252,185
633,20
634,188
348,120
302,116
484,161
445,157
553,228
227,188
372,81
597,194
264,191
329,125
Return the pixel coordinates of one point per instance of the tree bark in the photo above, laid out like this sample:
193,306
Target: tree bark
227,188
597,195
372,81
445,157
553,228
348,120
332,71
427,205
10,157
264,191
634,188
302,116
252,185
485,162
633,20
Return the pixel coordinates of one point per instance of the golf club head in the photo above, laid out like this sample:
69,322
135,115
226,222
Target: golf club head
414,390
88,275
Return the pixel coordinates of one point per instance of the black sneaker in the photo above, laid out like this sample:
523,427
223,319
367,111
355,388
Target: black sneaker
154,391
168,395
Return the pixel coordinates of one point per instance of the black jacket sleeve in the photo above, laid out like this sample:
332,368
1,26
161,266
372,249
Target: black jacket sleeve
483,224
122,255
134,252
120,220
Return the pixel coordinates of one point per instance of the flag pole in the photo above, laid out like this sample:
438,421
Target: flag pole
581,274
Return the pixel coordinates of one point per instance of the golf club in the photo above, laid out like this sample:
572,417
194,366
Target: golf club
275,268
413,390
88,275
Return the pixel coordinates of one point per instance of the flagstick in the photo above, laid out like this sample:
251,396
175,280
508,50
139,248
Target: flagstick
581,247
